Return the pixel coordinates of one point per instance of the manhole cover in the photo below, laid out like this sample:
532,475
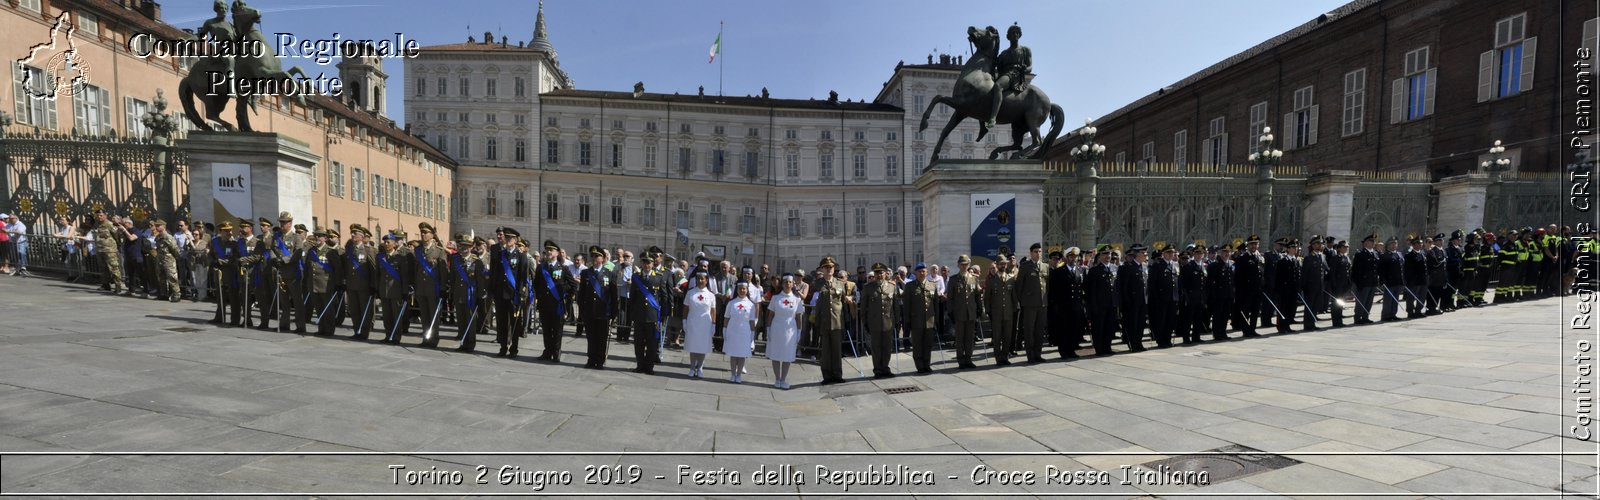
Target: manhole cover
901,390
1214,466
1203,353
182,329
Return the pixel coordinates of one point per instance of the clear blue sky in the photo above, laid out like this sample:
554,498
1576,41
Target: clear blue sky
1091,56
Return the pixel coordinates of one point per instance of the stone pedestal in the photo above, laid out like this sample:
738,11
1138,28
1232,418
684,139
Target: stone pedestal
1461,202
947,190
273,172
1330,210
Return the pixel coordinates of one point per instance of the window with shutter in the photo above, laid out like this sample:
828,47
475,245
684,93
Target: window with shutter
1355,97
1258,123
1180,148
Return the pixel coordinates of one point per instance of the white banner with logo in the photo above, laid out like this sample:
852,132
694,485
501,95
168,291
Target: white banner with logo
230,192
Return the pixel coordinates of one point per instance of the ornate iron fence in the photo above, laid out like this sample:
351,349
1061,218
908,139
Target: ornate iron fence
44,176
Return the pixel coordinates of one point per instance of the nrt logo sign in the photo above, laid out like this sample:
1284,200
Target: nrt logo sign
982,203
236,182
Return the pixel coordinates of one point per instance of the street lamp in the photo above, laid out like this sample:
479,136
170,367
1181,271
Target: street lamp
1089,152
1267,157
1497,162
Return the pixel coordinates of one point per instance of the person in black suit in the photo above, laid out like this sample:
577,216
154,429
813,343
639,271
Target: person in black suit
1338,280
1164,296
1416,285
1132,278
1250,275
1067,315
1192,306
1364,275
1286,285
1391,279
1100,293
1271,308
508,269
597,307
1219,289
1313,283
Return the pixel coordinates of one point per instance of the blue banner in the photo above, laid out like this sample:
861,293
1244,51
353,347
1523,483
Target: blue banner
994,225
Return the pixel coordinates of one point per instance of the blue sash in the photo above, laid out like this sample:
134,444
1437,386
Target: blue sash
422,260
283,250
550,284
314,258
649,298
461,272
383,259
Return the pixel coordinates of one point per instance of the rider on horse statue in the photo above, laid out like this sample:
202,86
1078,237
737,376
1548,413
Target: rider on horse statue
1011,72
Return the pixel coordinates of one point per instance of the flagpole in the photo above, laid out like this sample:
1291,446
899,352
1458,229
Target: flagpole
720,25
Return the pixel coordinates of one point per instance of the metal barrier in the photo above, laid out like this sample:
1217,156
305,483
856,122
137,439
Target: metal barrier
57,255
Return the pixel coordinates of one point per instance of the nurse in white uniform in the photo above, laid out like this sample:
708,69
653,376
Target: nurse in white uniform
737,339
783,336
700,306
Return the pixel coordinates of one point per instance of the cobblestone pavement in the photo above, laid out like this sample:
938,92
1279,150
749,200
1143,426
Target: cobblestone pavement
84,372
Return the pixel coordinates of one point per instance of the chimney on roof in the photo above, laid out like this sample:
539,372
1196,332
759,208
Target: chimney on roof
519,44
944,58
702,91
151,10
930,58
833,97
764,93
470,39
488,37
503,40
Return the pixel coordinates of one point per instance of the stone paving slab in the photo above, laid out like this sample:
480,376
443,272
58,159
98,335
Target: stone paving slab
113,376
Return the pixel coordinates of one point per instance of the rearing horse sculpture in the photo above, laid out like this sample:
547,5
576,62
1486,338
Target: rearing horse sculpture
1026,111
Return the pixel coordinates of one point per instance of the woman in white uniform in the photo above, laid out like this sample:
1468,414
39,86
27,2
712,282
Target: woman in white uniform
737,337
783,336
700,306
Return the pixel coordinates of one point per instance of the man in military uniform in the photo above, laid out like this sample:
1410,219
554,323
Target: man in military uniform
961,293
831,298
108,240
468,287
1438,276
1132,282
1067,315
394,287
263,278
1338,280
1163,296
1192,295
1250,275
1473,265
650,303
428,274
360,281
1219,292
1313,286
1416,274
225,252
879,314
595,305
284,248
550,298
1364,274
319,264
999,299
1455,261
167,252
1100,293
922,300
508,275
1033,276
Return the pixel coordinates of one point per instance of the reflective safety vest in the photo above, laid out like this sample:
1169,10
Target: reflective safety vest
1535,251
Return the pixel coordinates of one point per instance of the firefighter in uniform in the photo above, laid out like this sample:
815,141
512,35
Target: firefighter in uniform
961,293
879,314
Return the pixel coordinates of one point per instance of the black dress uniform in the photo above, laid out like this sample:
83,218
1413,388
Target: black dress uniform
469,290
595,305
1286,288
1338,281
1100,293
1132,279
1438,277
226,252
1219,292
1364,275
1392,281
1250,275
1271,307
1163,298
650,304
1313,285
1455,273
1069,315
550,298
1192,300
1416,274
508,270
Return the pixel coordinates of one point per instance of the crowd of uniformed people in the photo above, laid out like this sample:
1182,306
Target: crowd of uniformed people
393,287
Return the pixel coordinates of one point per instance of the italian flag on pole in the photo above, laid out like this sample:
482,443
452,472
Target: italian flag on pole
716,48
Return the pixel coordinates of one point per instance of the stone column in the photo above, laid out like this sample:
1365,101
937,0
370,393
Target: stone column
281,172
1088,222
1462,200
947,187
1331,210
1263,223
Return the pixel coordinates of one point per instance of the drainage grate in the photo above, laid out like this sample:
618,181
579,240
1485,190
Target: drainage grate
1203,353
181,329
901,390
1231,462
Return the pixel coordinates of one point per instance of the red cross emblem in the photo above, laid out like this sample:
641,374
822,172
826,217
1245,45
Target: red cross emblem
741,307
700,297
786,302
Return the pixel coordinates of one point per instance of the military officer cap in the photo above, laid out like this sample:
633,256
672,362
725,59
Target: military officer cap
1191,248
1291,243
1222,248
963,259
226,226
245,222
320,232
1074,251
424,228
1137,247
399,233
300,228
826,262
1370,237
1281,242
265,221
1341,244
1315,237
921,266
158,223
1456,235
596,251
510,231
653,253
209,226
285,217
358,229
879,268
1056,254
479,240
1253,239
463,239
332,233
1170,248
1103,248
1035,246
1416,241
197,223
1438,237
550,245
